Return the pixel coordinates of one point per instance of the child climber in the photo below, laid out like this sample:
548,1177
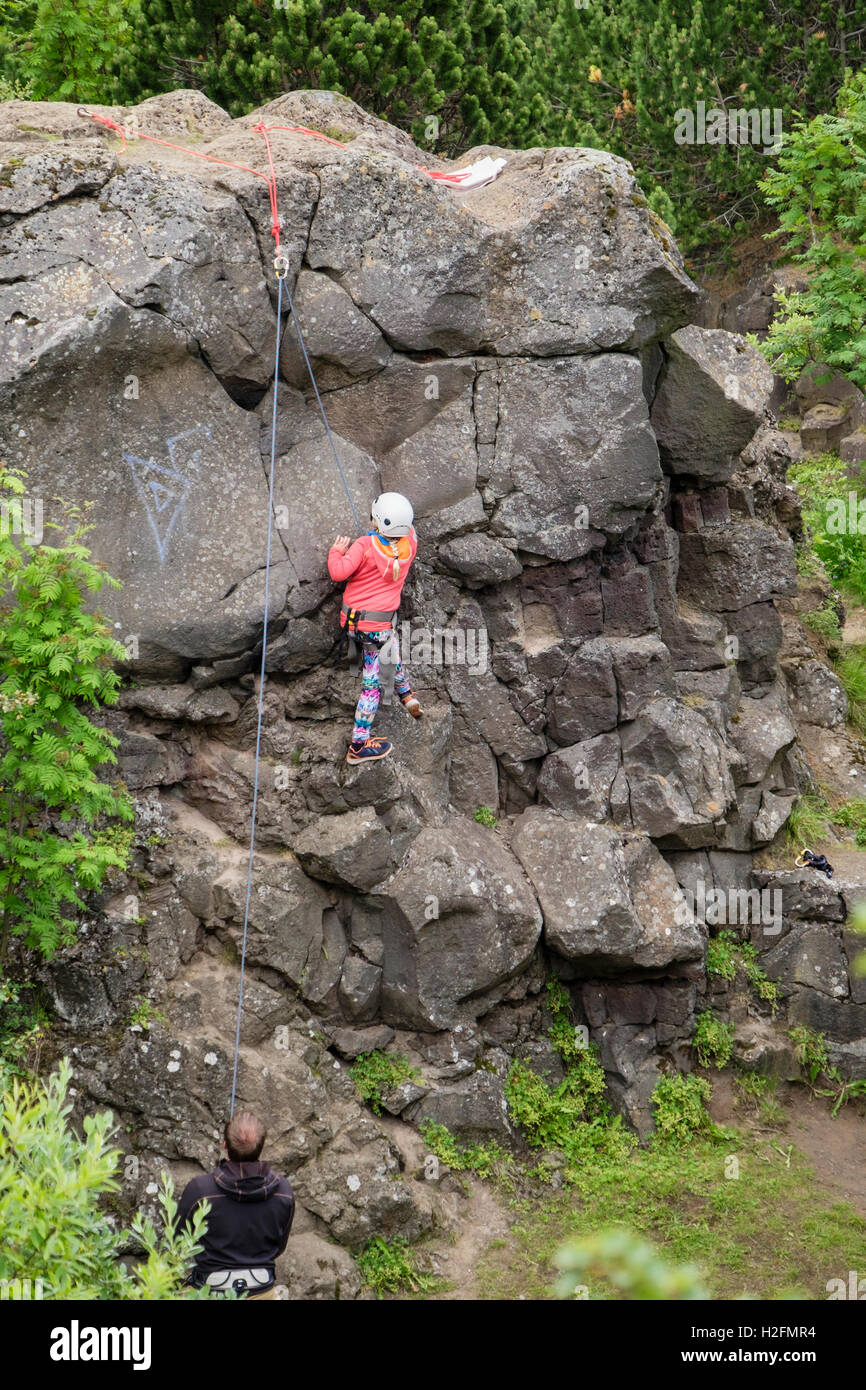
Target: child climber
378,564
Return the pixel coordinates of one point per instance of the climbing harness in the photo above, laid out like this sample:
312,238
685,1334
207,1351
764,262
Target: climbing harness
808,860
355,643
281,269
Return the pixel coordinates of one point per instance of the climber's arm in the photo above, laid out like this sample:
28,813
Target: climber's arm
343,563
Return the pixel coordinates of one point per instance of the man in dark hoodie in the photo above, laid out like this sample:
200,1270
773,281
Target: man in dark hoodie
251,1211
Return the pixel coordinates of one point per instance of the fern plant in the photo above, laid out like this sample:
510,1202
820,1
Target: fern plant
55,842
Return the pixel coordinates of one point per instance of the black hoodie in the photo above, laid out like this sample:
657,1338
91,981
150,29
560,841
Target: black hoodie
251,1211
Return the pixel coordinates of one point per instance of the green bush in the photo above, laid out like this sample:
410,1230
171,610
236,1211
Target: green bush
374,1073
52,1187
713,1040
627,1262
851,670
485,1160
55,842
807,824
826,491
817,192
23,1023
825,623
60,50
680,1109
852,815
391,1266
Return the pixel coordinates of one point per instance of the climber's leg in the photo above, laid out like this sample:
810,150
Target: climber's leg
363,748
403,687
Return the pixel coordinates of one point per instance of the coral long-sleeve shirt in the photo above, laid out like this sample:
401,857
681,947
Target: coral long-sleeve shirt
369,567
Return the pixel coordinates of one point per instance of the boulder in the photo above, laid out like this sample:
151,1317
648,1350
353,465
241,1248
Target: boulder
809,954
584,702
711,400
760,730
353,850
354,1185
823,428
643,671
457,919
727,568
480,559
578,780
679,772
575,457
608,903
816,694
474,1108
313,1269
341,341
292,926
502,271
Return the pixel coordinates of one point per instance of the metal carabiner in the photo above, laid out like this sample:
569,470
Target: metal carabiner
281,266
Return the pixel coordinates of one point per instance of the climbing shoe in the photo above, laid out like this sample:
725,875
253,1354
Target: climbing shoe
412,704
369,751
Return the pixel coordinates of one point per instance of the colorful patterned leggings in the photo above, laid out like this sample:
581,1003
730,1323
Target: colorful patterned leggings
371,690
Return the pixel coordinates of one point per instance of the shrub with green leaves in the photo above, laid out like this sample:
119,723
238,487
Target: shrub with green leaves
817,192
572,1116
453,72
56,50
680,1105
851,670
484,1160
824,622
56,841
810,1048
53,1183
632,1265
713,1041
727,953
826,491
375,1073
23,1022
391,1266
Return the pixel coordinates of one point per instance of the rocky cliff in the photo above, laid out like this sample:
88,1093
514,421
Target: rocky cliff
593,623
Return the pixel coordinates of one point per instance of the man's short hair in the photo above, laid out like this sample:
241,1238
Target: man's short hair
245,1136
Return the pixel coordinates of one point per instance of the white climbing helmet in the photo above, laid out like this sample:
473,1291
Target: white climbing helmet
392,514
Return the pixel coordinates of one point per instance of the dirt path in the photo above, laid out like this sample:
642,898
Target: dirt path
836,1148
481,1220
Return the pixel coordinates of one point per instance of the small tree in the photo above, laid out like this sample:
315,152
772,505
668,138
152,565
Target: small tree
55,50
54,843
818,190
52,1187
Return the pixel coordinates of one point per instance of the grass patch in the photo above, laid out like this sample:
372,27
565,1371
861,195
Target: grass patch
851,670
852,815
824,622
484,816
808,823
766,1234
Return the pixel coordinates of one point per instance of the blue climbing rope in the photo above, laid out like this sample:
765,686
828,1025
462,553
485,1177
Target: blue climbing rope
281,266
259,718
358,521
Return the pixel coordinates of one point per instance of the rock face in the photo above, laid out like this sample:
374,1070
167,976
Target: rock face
591,623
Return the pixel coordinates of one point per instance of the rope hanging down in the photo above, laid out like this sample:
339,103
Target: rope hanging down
281,267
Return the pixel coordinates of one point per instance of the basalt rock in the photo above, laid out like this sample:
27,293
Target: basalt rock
591,625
